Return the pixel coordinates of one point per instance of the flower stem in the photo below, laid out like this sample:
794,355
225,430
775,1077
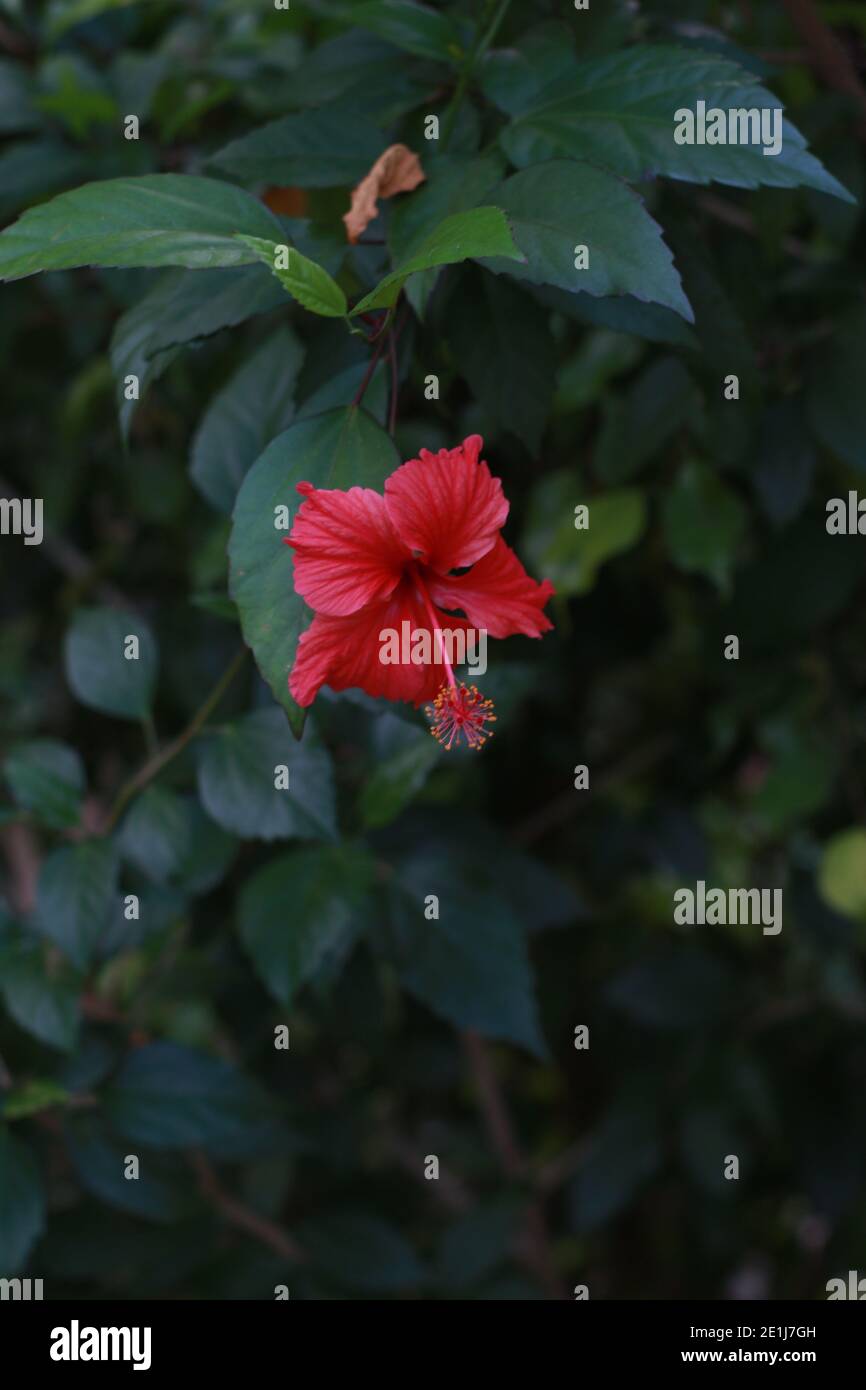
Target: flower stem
155,764
483,40
371,367
395,384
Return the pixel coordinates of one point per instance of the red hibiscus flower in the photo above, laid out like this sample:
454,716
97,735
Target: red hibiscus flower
368,564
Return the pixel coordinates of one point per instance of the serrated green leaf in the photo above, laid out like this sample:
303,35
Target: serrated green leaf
173,1097
405,757
470,964
156,220
618,112
305,281
340,449
515,384
22,1202
98,672
47,778
570,556
255,404
556,208
44,1004
76,895
704,523
237,773
417,28
333,145
298,910
476,233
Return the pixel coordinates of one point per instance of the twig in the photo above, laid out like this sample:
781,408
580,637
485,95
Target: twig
483,41
534,1241
155,765
492,1105
449,1190
22,857
65,557
395,385
734,216
827,54
243,1217
16,44
371,367
571,803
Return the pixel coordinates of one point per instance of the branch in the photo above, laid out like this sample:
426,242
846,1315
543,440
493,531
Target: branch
244,1218
828,55
534,1241
65,557
571,803
155,765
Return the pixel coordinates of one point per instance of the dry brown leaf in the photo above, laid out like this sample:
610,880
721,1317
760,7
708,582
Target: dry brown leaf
398,170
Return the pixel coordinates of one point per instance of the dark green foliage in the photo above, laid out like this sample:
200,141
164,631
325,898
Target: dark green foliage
290,961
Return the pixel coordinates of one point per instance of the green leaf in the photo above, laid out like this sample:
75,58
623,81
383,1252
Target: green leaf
406,755
157,220
570,556
340,449
182,309
305,281
98,672
555,208
17,112
618,112
620,1155
172,1097
515,78
661,401
361,1251
673,988
237,772
333,145
836,397
170,840
156,833
477,233
22,1203
325,888
471,965
99,1164
704,523
515,384
454,185
621,313
45,1005
65,14
32,1097
47,778
842,872
416,28
76,894
255,404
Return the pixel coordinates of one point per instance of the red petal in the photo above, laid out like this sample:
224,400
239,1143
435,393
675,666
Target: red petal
496,594
447,506
346,552
344,652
